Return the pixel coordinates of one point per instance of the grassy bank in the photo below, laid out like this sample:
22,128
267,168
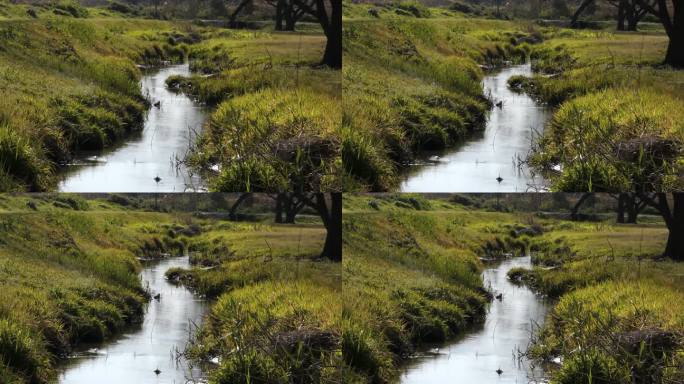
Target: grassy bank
276,315
411,83
617,316
616,332
75,80
71,83
68,275
277,110
412,276
611,85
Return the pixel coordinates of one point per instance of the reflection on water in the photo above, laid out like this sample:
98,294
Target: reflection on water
476,165
166,137
135,355
476,357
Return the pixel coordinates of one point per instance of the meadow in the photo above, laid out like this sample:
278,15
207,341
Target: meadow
69,275
70,82
412,277
412,83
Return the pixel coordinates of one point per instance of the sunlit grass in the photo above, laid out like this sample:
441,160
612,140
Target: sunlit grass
297,322
395,54
400,250
65,277
270,139
270,96
619,139
72,83
413,83
615,331
609,85
69,274
277,299
76,83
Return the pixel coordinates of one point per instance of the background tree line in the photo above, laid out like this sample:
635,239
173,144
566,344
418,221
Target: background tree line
626,13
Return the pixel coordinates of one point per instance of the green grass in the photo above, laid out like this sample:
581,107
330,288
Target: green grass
592,253
285,331
276,111
629,140
608,84
236,255
69,274
276,300
71,83
584,61
412,275
413,83
617,314
281,138
614,332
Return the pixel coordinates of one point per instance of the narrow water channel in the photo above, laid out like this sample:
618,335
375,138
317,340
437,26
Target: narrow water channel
134,356
495,153
134,165
476,357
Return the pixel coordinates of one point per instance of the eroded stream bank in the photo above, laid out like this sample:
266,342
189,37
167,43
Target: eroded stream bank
155,344
498,344
165,139
495,153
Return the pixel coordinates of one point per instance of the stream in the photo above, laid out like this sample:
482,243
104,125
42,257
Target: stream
475,165
134,356
134,165
497,344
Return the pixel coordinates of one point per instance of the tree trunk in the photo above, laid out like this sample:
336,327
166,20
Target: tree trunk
290,210
333,48
675,240
290,15
280,8
575,210
621,208
675,31
576,15
234,15
632,18
632,209
290,215
333,239
290,19
632,25
621,15
233,209
675,244
675,50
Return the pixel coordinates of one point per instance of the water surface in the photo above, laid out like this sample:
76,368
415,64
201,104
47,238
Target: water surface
475,165
133,165
496,345
134,356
